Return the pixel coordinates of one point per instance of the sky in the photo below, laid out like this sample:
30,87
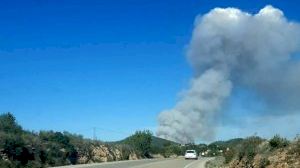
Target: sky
113,65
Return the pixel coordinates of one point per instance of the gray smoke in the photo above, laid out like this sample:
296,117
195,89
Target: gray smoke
231,48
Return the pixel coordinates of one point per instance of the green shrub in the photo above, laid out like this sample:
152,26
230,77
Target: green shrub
278,142
249,148
8,124
172,150
141,142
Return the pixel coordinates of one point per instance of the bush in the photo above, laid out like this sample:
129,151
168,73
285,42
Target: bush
141,142
295,149
8,124
278,142
249,148
229,155
126,150
172,150
264,162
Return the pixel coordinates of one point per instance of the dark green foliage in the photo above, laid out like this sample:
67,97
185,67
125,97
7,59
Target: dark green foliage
160,143
165,147
22,148
157,146
171,149
60,150
12,144
141,142
278,142
27,149
72,155
8,124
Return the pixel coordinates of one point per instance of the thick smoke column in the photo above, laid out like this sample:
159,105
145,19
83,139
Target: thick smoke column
231,48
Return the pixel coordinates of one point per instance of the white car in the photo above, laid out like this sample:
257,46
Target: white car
191,154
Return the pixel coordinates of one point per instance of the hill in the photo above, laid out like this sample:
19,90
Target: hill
257,152
156,142
160,142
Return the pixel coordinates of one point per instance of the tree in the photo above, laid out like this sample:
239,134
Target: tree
278,142
8,124
141,141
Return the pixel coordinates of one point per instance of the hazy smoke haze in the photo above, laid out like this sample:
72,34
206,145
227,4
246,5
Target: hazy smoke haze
230,48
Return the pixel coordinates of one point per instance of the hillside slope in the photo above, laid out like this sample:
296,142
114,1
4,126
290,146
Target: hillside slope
255,152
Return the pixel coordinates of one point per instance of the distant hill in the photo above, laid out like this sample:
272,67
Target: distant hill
160,142
229,143
156,142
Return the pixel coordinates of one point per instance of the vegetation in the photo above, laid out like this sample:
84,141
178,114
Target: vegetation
24,149
249,148
20,148
146,145
297,146
141,142
278,142
256,152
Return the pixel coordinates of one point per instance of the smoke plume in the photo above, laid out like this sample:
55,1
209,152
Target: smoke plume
230,48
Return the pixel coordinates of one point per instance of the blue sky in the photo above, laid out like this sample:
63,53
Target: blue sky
110,64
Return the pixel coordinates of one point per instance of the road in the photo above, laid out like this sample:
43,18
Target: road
155,163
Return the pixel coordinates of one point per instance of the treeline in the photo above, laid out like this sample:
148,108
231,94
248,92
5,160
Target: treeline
149,146
24,149
20,148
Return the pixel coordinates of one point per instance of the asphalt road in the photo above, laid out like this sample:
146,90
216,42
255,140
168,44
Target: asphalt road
166,163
